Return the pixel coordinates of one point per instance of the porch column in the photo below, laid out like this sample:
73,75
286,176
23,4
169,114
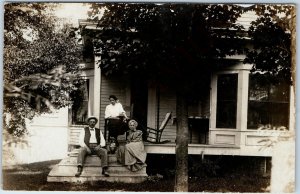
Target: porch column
213,102
151,114
97,86
242,101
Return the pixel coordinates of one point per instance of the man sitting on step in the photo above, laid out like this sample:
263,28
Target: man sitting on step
91,141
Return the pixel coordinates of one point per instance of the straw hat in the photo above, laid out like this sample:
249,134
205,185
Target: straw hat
92,117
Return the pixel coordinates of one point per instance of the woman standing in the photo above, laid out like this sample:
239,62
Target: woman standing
133,154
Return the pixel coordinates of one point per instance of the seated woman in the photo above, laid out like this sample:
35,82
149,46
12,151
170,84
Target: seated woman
117,118
133,154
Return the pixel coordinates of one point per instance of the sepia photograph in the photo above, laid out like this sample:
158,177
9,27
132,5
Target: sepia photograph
149,97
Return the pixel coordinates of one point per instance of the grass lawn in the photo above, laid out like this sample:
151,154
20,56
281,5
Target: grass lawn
33,177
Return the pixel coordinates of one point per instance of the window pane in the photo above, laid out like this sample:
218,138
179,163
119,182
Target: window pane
226,100
268,105
80,102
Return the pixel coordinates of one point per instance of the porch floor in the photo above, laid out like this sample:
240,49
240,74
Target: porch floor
205,149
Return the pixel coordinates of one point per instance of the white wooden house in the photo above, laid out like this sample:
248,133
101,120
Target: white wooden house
231,117
235,124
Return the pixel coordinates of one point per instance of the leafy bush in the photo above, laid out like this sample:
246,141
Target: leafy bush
203,167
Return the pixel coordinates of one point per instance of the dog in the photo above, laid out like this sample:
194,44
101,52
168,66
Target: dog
112,146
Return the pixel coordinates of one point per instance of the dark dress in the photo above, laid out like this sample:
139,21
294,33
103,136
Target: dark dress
117,127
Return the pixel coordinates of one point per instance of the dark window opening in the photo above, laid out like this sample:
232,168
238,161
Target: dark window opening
80,101
227,100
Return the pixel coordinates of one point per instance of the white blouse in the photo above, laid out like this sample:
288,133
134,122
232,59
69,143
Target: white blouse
114,110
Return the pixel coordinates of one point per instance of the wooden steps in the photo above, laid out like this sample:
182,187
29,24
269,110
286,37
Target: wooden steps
66,169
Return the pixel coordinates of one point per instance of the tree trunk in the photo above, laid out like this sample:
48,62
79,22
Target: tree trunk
181,178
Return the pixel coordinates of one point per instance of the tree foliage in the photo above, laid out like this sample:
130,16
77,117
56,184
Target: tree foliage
175,44
177,35
164,39
271,38
39,60
180,43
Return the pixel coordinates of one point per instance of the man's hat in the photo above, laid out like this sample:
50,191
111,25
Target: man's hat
92,117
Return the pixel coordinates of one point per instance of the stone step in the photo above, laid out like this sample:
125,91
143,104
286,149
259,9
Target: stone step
67,162
74,153
91,170
89,160
82,179
125,170
71,171
95,161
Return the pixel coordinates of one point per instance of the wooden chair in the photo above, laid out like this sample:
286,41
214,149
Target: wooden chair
154,135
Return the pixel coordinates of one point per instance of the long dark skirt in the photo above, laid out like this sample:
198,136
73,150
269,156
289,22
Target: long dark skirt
117,127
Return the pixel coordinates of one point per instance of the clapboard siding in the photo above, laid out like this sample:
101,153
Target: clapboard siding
56,119
74,132
167,103
246,19
46,139
195,137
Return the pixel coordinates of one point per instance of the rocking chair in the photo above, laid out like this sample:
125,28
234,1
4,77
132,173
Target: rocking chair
154,135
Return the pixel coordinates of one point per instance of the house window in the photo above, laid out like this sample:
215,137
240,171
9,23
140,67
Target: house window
226,100
268,103
80,101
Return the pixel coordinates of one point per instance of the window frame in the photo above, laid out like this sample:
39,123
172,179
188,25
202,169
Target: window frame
270,126
243,71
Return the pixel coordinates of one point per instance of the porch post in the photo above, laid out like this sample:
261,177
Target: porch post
213,103
242,102
152,101
97,86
